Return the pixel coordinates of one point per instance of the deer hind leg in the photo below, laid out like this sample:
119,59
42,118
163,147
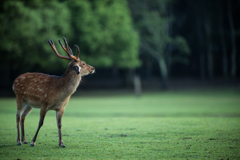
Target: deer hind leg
42,116
20,107
59,115
26,111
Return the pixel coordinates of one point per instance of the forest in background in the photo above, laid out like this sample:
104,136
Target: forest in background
157,39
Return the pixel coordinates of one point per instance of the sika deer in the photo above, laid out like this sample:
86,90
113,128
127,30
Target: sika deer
47,92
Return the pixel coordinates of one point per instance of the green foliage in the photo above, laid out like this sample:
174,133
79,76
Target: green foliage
25,29
182,45
153,23
183,50
196,125
102,29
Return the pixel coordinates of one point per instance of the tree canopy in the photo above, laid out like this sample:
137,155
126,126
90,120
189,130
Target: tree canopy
102,29
26,27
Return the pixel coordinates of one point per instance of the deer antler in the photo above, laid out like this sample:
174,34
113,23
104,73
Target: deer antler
69,50
78,51
66,49
55,50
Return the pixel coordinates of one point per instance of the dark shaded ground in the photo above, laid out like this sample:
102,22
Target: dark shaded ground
181,84
117,87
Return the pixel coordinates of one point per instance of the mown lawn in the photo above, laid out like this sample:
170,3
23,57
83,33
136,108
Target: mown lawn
167,125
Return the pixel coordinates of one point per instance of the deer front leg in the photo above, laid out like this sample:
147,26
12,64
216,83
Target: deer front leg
42,116
59,115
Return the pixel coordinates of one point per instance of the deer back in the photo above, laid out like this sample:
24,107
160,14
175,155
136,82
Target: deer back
35,88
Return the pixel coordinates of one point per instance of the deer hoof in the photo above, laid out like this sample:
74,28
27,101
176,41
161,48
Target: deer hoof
62,145
19,144
32,144
25,142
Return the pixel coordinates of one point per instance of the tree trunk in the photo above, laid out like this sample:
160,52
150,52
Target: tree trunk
169,60
207,27
202,65
224,49
137,85
148,69
233,43
129,78
200,42
164,73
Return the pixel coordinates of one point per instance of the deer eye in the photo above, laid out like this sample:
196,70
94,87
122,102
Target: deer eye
83,64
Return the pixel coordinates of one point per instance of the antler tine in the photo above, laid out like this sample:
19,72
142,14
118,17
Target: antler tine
78,51
70,51
64,48
67,48
55,50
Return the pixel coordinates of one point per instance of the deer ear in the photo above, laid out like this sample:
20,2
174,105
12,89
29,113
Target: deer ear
77,69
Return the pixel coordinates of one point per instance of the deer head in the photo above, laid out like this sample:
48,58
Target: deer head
76,65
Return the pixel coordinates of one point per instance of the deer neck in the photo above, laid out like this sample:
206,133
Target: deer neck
69,82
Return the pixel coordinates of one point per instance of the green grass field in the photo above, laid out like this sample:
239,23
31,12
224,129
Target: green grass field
167,125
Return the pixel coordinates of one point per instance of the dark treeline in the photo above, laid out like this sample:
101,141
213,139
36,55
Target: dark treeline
212,31
163,39
199,38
